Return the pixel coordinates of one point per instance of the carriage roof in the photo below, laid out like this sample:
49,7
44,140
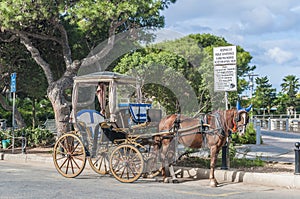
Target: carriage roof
89,82
105,76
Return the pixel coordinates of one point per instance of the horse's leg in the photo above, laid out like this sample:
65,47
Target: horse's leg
167,151
213,154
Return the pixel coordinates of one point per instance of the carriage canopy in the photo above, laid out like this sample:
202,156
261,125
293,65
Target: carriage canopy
112,90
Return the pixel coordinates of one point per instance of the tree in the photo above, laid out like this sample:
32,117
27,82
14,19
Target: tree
208,42
264,94
58,35
163,74
290,86
191,56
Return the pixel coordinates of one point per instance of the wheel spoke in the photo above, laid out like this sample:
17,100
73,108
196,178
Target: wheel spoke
67,168
63,163
61,144
72,160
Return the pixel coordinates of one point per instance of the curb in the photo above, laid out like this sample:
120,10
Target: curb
24,158
287,180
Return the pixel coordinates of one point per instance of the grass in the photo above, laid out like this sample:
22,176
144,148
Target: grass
234,162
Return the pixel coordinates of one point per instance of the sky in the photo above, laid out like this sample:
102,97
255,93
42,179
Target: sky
268,29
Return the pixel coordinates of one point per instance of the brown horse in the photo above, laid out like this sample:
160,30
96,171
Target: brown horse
212,131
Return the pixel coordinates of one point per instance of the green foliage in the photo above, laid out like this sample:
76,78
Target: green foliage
234,162
290,87
248,138
43,111
265,95
34,137
160,71
45,41
244,162
191,57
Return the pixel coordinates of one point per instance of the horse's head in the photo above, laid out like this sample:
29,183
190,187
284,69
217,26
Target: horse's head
242,118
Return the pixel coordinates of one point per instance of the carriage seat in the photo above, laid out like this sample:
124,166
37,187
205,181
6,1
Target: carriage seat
139,112
91,119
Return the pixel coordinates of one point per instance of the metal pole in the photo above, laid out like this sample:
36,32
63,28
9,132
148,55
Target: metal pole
224,157
297,158
226,100
13,122
258,132
225,148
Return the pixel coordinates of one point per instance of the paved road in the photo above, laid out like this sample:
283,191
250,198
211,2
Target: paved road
42,181
277,146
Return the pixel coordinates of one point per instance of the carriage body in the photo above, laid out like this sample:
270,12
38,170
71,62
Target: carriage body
109,132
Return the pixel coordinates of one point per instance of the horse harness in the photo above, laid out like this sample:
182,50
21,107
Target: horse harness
203,128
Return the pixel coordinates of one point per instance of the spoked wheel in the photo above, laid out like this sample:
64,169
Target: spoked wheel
69,155
126,163
100,162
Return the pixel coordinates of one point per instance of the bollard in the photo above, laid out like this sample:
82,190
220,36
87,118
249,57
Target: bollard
297,158
258,132
287,128
23,143
224,157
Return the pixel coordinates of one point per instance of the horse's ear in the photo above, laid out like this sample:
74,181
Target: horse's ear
238,105
248,108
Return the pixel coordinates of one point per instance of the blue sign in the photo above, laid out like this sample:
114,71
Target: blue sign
13,82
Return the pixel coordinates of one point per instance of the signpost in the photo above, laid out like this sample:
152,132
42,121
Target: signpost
225,79
13,86
225,71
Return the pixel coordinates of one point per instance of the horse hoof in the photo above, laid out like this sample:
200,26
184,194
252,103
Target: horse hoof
175,181
213,183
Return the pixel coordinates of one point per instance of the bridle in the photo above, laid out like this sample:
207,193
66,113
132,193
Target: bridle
238,119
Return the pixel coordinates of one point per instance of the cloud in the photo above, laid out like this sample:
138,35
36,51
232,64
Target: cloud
257,21
268,29
247,16
279,56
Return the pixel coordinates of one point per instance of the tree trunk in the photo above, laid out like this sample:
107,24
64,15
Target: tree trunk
60,105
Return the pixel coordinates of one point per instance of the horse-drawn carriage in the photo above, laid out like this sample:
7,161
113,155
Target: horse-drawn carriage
127,138
117,138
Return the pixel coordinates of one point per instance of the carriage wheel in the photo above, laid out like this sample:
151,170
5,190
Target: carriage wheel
69,155
100,163
126,163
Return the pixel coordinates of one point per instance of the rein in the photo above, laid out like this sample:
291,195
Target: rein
182,132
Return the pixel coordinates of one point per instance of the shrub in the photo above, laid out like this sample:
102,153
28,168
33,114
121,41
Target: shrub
34,137
248,138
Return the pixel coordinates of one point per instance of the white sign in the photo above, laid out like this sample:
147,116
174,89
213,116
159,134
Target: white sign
225,55
225,78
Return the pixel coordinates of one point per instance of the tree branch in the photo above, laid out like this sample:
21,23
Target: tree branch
40,36
110,43
37,57
65,45
12,38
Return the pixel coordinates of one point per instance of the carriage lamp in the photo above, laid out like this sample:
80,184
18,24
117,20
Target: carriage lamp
297,158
